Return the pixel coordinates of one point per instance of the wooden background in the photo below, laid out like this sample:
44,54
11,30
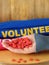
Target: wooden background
23,9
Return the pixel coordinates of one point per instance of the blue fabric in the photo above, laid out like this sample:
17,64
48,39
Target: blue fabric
24,23
42,42
21,24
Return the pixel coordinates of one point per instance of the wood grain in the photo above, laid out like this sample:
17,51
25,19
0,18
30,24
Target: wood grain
23,9
5,10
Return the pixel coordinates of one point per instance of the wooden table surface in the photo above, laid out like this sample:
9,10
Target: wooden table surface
13,58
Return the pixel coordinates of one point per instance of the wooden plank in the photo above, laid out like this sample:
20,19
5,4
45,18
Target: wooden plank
22,9
46,13
39,8
6,10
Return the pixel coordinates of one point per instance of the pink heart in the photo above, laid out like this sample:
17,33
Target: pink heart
1,47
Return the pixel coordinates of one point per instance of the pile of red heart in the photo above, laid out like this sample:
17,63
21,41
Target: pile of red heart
20,43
